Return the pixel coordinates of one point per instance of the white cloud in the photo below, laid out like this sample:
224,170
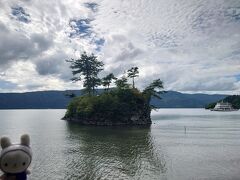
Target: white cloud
193,45
24,77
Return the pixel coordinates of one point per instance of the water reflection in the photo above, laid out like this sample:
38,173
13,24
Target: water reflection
111,152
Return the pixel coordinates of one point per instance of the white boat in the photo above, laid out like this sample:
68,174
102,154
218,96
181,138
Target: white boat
223,106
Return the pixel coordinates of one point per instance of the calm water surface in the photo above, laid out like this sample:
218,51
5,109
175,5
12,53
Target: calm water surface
208,149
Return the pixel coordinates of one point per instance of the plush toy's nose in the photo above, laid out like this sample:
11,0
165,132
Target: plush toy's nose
15,165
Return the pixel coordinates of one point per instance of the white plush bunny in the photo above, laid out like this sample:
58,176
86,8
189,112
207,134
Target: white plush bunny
15,158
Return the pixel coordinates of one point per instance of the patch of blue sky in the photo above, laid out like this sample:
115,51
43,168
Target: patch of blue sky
92,6
20,14
7,85
237,77
99,44
80,27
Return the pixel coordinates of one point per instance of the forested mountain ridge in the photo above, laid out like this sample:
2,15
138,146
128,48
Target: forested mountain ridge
59,100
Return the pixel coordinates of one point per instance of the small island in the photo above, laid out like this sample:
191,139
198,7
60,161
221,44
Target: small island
123,104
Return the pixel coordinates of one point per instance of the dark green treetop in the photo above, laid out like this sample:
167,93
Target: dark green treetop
94,83
107,80
154,89
122,83
87,69
132,73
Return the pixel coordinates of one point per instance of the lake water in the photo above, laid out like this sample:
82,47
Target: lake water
208,149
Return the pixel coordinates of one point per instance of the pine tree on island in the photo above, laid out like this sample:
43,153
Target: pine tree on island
132,73
107,80
87,69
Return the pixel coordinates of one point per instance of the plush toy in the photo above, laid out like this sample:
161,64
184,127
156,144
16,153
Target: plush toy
15,158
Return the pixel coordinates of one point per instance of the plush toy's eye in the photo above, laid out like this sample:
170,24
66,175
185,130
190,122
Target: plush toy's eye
23,163
5,164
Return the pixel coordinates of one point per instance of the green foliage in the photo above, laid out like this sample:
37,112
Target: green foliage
122,83
107,80
88,68
94,83
132,73
234,100
115,105
154,89
210,106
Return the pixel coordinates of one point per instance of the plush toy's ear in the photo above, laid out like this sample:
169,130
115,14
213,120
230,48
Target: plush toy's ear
5,142
25,140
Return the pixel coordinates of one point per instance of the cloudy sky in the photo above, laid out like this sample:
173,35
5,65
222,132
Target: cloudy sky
192,45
